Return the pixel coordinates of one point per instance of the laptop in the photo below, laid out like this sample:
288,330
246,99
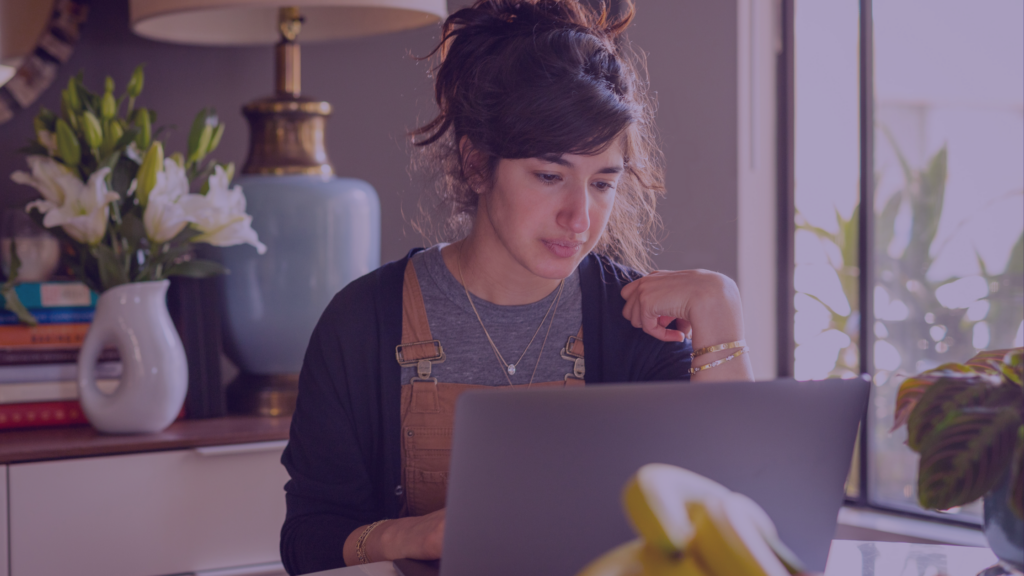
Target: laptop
536,475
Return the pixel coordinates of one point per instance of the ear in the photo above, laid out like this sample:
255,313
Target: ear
474,164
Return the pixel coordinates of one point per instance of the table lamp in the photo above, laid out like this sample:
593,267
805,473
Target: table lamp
21,23
321,231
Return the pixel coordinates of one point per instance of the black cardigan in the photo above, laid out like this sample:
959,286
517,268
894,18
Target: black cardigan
344,455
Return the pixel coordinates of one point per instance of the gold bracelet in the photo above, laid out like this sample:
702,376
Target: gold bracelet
361,542
719,362
716,348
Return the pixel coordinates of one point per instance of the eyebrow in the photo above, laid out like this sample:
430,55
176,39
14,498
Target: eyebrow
561,161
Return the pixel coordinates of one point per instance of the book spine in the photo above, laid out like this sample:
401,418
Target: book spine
53,372
41,414
46,414
48,391
44,335
29,355
51,316
54,295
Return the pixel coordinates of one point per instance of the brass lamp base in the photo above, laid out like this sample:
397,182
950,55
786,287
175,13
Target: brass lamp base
263,395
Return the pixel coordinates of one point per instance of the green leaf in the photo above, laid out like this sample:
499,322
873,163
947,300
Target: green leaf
122,175
127,138
196,269
196,133
966,455
11,300
111,272
132,229
951,394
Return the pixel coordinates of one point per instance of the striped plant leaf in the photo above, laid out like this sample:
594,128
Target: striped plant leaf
947,395
1007,364
964,457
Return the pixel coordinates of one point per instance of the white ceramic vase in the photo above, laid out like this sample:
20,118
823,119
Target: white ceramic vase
134,319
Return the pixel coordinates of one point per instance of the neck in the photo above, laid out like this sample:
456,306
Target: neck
491,273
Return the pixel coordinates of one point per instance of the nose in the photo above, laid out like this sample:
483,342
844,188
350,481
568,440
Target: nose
574,213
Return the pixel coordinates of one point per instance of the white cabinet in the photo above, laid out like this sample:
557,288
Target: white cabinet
145,514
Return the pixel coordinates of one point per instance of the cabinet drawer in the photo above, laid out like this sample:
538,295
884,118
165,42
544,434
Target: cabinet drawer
147,514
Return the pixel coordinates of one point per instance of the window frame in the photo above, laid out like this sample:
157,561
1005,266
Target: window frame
785,176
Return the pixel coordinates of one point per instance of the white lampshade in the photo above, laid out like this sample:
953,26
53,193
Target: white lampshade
240,22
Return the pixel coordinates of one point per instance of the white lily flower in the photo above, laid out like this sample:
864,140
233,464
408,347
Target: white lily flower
85,211
53,180
165,216
220,214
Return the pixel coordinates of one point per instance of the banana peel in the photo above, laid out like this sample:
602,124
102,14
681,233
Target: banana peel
690,525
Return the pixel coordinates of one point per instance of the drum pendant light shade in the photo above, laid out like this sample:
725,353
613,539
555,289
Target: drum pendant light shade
249,22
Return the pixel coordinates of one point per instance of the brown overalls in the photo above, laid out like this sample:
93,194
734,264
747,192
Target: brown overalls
428,406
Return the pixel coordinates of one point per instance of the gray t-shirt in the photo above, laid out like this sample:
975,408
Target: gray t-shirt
469,356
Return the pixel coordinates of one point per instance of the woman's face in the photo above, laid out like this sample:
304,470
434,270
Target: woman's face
548,213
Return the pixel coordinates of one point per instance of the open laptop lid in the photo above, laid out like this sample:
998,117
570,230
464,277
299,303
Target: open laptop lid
537,475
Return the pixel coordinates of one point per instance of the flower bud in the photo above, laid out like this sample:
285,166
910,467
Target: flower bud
92,130
68,113
108,106
178,158
108,85
135,83
203,145
215,139
152,164
229,170
67,144
70,95
142,140
111,135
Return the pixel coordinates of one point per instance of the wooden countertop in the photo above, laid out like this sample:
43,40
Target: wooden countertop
79,441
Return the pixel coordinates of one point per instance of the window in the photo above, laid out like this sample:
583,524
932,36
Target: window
939,111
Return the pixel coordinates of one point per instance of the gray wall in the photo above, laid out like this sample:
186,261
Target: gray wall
380,92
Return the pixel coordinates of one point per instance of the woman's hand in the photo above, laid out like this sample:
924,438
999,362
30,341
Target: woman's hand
706,307
415,537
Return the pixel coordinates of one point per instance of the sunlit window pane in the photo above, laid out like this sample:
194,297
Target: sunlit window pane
827,163
949,203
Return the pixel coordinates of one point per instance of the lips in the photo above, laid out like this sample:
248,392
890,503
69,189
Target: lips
563,248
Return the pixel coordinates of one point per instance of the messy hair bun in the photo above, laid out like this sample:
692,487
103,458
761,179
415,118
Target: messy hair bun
526,78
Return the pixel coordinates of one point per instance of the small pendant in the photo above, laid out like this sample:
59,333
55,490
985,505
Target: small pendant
511,369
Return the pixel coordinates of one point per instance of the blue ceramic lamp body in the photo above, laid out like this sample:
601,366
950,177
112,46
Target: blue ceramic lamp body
321,233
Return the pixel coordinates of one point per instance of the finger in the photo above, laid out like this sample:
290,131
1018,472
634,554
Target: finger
684,327
664,321
633,312
627,309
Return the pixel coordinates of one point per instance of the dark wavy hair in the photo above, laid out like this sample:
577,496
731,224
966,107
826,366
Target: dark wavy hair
527,78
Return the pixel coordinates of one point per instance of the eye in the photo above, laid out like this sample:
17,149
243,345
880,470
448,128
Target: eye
549,178
604,186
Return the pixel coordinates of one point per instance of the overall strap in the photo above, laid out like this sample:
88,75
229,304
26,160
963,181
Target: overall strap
574,351
418,347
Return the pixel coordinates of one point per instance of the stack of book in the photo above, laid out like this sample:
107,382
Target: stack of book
38,364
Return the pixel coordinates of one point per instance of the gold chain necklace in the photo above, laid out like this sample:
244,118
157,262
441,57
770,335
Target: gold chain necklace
507,368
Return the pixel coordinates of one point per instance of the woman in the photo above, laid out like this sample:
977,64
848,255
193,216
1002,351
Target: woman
545,150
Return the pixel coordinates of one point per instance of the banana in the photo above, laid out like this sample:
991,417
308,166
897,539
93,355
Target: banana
690,525
637,558
655,499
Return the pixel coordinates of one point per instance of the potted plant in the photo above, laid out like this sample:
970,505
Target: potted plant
127,218
967,423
